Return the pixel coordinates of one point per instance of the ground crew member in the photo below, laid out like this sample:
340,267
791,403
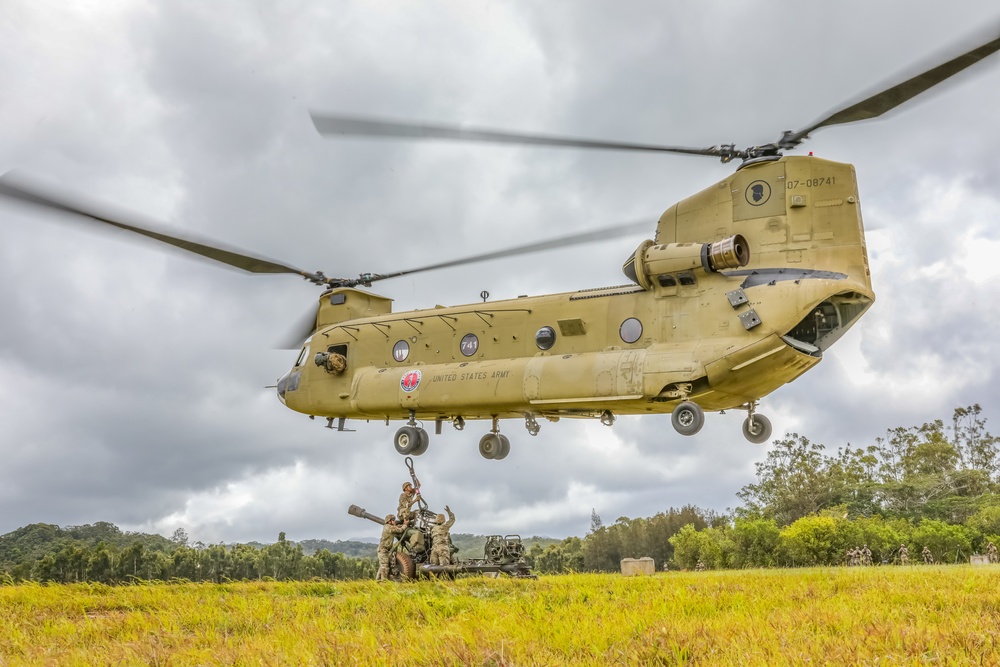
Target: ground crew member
407,499
904,555
390,529
866,556
441,538
854,557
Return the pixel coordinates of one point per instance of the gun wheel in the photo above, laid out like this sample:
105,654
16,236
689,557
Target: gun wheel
407,568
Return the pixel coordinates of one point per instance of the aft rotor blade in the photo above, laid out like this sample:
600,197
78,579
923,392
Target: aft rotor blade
892,97
617,231
332,124
24,190
300,329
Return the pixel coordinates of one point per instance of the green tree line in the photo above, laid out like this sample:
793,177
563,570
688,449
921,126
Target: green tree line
103,553
932,485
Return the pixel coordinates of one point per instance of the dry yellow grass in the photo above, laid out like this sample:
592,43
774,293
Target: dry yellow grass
941,615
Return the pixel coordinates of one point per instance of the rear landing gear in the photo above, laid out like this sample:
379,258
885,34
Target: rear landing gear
494,445
687,418
411,439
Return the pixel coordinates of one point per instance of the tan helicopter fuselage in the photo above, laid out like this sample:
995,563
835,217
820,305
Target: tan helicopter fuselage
685,330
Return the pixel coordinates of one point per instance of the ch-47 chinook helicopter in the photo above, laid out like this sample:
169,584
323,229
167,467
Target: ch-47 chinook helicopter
743,287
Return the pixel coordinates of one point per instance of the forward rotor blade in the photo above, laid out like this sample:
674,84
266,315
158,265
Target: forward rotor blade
21,189
551,244
331,124
892,97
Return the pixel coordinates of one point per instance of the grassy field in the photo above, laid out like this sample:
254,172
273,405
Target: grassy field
941,615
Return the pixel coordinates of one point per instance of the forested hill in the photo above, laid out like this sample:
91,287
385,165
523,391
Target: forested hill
35,540
350,548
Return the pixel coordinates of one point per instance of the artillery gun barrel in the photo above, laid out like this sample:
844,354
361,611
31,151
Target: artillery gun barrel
361,513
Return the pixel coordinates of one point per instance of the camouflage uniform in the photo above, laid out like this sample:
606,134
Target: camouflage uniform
700,566
991,553
441,538
866,556
928,556
389,532
406,500
904,555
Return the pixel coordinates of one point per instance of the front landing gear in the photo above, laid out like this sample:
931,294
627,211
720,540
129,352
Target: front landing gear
494,445
756,428
687,418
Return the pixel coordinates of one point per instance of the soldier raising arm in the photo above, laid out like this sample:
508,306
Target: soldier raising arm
441,538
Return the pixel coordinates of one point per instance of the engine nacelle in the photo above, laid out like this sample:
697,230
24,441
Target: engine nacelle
650,260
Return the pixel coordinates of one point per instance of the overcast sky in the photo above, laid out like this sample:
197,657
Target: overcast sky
132,379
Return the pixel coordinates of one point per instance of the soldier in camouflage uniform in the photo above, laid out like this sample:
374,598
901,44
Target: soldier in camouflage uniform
441,538
389,532
866,555
854,557
991,553
407,499
699,566
928,556
904,555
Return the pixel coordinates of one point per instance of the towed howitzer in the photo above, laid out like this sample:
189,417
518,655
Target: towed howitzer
502,554
360,512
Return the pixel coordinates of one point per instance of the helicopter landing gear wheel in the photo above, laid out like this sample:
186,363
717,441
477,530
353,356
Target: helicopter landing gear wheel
407,568
425,440
504,448
757,429
407,440
687,418
490,446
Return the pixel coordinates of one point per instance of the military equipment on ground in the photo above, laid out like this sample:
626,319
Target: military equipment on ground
742,289
502,554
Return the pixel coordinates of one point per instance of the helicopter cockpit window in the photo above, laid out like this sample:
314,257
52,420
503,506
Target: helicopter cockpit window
545,338
469,344
303,355
630,330
686,278
401,350
666,280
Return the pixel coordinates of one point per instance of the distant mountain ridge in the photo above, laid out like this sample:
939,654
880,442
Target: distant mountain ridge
38,539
